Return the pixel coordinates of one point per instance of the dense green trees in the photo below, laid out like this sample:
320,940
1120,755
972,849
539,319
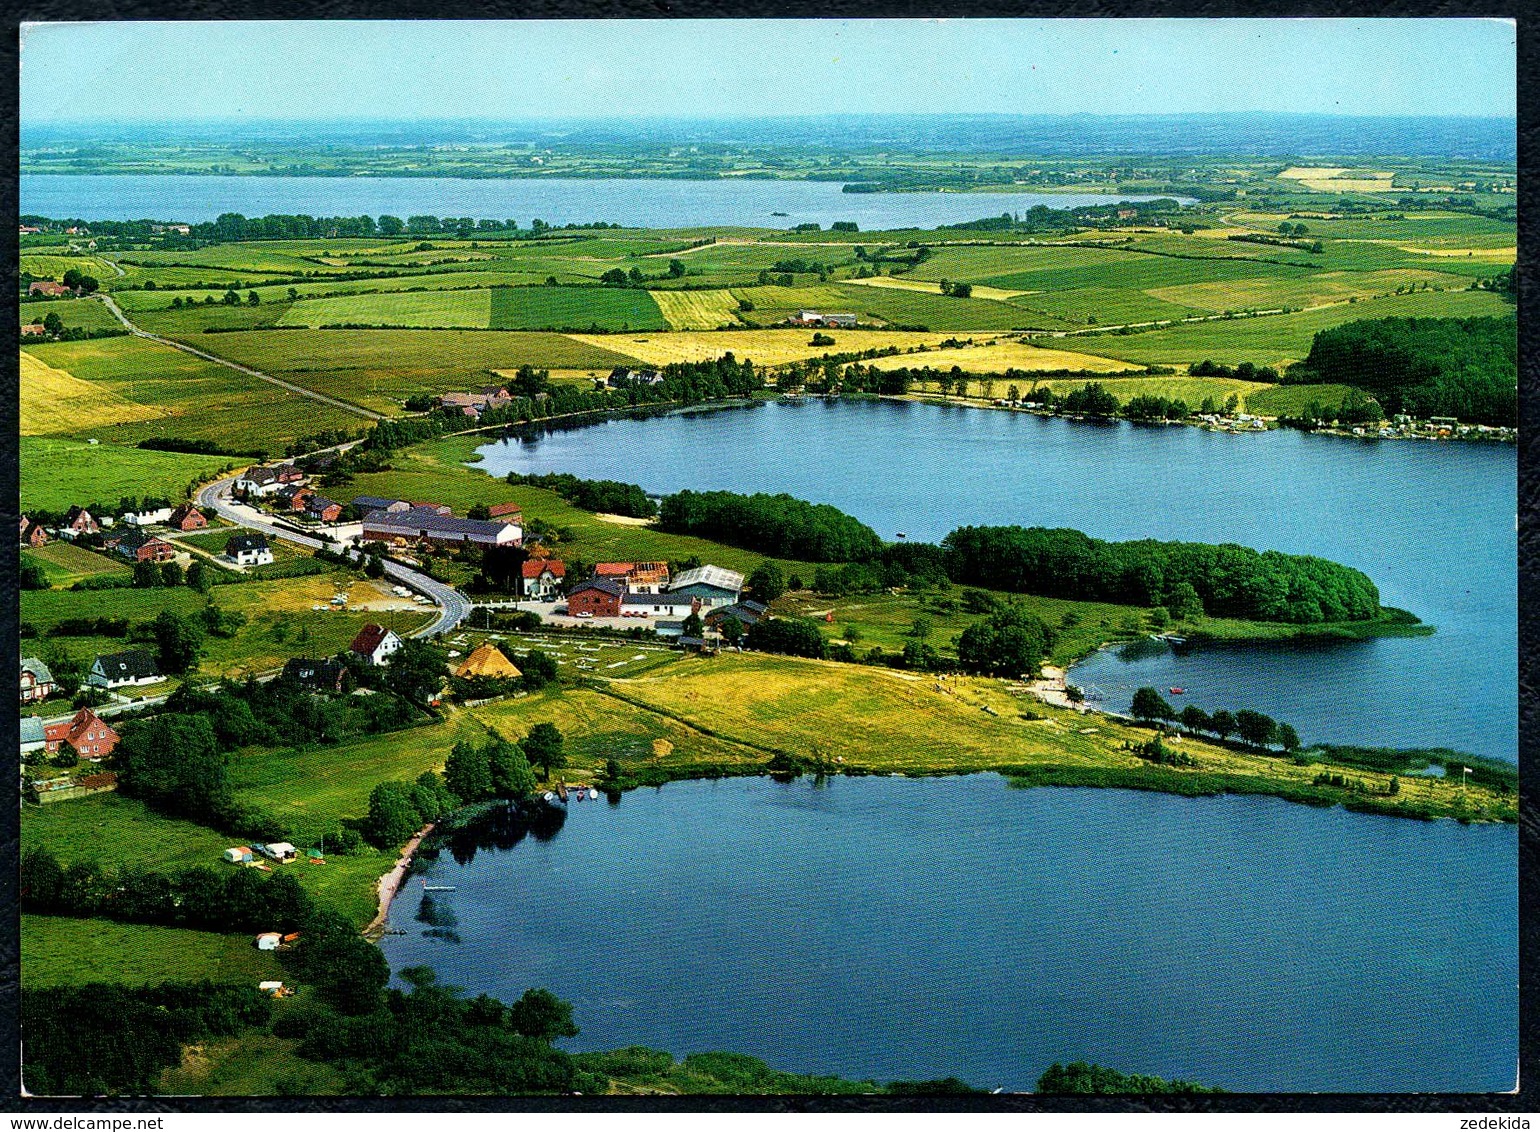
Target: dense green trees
607,496
1228,580
1454,367
791,636
173,762
1009,642
543,747
766,583
178,643
1078,1078
772,524
416,671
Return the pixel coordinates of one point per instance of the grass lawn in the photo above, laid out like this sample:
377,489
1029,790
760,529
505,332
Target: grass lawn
59,951
251,1064
1193,390
575,308
57,473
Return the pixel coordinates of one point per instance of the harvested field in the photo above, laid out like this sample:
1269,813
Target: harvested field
470,309
1003,356
763,347
697,310
980,291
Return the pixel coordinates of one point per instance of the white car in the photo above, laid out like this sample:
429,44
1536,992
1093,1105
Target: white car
585,613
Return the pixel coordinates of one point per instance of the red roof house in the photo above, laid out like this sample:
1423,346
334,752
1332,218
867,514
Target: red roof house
597,597
85,733
187,518
48,287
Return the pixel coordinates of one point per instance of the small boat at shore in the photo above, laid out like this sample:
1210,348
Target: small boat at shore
1177,691
593,795
426,887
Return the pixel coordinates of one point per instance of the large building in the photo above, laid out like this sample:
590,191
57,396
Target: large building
427,524
597,597
712,584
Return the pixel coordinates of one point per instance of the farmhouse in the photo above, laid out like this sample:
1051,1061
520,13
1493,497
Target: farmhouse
263,480
368,503
141,547
598,597
248,550
294,496
79,522
319,507
85,734
712,584
543,577
426,524
487,659
32,533
33,330
316,675
187,518
621,377
33,737
745,612
816,318
37,683
50,288
375,643
115,670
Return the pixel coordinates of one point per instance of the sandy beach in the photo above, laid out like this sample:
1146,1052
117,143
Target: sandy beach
391,881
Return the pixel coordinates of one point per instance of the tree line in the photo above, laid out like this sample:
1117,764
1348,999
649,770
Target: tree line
774,524
608,496
1253,727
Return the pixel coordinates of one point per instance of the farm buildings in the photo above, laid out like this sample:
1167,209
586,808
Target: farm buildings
428,523
487,660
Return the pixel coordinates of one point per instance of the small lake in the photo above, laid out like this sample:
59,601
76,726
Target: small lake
634,202
1432,524
914,929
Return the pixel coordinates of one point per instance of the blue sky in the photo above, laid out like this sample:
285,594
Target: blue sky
725,68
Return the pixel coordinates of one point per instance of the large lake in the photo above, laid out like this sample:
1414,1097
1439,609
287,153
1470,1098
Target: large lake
914,929
636,203
1432,524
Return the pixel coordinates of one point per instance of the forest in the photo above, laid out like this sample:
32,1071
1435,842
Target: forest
1423,367
773,524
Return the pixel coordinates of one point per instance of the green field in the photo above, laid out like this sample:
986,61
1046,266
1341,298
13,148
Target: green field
57,950
57,474
697,310
72,312
394,308
200,399
1293,400
381,368
593,309
64,564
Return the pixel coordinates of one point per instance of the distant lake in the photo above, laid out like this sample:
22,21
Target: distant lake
914,929
1432,524
636,202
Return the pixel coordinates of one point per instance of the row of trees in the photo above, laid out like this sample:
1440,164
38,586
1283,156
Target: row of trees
607,496
1252,726
1185,577
774,524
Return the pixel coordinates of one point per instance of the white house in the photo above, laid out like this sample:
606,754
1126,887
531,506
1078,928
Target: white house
248,550
145,518
115,670
375,643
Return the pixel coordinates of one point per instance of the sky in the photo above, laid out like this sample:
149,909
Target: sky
390,70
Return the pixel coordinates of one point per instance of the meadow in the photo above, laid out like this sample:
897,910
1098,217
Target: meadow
762,347
394,308
58,949
697,310
64,563
58,473
588,308
72,312
55,400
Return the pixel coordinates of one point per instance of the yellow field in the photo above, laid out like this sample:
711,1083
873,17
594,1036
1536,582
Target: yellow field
979,290
1003,356
54,400
762,347
1496,255
1190,389
697,310
1324,180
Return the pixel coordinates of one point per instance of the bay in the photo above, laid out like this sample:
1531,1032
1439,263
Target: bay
633,202
1433,524
915,929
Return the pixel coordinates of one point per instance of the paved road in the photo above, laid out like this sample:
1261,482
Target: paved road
247,370
454,606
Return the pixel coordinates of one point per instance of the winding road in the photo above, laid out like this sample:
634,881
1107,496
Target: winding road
454,606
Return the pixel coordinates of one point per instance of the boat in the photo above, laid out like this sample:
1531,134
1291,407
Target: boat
438,888
549,796
593,795
1178,691
780,214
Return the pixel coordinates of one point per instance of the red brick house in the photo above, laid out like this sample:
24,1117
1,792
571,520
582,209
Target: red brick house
85,733
187,518
597,597
507,512
33,330
80,521
32,533
140,547
324,509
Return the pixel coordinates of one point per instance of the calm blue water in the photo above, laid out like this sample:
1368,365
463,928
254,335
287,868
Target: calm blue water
908,929
1432,524
635,203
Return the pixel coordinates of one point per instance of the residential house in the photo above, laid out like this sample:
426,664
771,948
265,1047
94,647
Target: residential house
187,518
746,612
33,737
115,670
79,522
507,513
147,517
486,659
319,507
248,550
543,577
85,733
32,533
375,643
658,605
138,546
316,675
33,330
428,524
50,288
37,683
647,577
255,482
712,584
597,597
294,496
618,570
621,377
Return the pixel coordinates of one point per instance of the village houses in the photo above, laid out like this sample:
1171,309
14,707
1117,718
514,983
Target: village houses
122,669
37,682
375,644
85,734
248,550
